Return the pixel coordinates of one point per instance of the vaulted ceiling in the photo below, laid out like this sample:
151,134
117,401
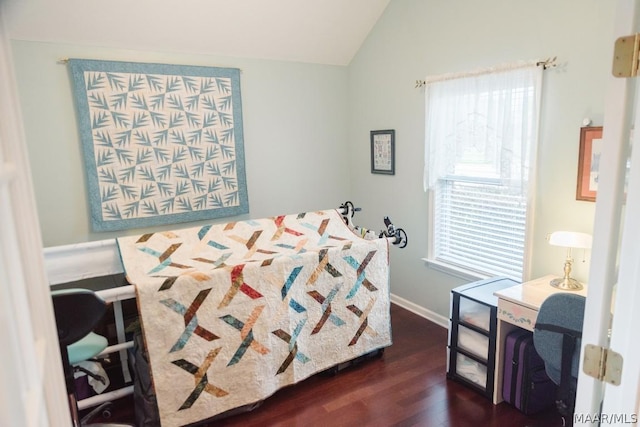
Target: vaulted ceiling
315,31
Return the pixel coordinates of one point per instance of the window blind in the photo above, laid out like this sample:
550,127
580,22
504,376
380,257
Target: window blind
480,226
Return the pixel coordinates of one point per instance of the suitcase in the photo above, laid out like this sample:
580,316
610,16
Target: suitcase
525,383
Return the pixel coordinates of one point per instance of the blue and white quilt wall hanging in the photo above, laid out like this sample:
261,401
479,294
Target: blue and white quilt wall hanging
163,143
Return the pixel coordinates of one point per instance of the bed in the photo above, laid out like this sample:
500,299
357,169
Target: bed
233,312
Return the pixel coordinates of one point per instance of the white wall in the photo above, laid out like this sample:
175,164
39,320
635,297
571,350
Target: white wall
32,389
295,128
416,38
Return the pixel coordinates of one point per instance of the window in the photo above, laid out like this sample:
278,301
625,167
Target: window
481,134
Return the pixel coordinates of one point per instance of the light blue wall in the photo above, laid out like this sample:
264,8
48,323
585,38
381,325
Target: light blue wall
416,38
307,126
295,129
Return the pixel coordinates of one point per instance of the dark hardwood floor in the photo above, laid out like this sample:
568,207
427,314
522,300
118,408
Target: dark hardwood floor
406,386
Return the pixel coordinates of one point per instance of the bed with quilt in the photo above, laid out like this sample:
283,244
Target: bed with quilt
233,312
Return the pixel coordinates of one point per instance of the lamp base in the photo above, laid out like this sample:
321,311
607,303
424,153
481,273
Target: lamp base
566,284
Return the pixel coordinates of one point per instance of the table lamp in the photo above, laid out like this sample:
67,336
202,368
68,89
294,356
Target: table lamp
569,240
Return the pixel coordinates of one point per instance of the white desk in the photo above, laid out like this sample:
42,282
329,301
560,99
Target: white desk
518,308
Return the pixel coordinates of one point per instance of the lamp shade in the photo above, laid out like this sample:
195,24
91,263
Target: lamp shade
571,239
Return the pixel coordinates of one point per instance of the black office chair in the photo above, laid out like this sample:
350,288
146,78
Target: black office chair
557,338
77,313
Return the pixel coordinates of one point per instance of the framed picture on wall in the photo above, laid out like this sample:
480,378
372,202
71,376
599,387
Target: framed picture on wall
383,152
589,163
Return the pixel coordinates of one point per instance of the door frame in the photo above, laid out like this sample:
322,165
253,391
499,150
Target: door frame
615,266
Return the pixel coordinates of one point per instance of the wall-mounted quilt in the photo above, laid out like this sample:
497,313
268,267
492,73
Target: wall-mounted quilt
162,143
233,312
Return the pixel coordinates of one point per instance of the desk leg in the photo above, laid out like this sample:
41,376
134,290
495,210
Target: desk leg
501,335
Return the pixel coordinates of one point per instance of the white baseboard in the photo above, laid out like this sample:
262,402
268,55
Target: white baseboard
420,311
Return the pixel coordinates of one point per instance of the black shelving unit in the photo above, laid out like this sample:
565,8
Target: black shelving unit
472,333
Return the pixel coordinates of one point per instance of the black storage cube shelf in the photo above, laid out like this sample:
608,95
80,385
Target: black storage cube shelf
472,333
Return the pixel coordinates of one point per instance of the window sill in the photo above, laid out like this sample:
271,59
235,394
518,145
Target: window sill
454,270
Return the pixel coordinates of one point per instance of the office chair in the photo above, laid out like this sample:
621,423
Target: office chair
557,338
77,313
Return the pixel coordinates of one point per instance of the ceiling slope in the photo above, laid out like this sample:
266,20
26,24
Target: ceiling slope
314,31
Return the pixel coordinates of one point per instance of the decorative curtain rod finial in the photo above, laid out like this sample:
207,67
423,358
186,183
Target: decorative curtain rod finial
420,83
548,63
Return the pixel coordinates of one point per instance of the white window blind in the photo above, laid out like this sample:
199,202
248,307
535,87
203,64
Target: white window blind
481,134
480,226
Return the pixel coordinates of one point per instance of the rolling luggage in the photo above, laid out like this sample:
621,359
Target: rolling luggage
525,383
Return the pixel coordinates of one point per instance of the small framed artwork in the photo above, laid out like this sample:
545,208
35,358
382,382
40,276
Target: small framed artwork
383,151
589,163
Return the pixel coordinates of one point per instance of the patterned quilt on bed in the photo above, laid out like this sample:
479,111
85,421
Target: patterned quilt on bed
233,312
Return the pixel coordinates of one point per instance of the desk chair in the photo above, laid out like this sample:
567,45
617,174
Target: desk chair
77,313
557,338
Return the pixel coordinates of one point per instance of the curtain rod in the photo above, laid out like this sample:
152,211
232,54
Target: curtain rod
545,64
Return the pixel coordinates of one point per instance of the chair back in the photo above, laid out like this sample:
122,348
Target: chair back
77,312
566,312
557,338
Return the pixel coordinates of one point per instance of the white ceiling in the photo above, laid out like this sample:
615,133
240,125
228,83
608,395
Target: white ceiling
316,31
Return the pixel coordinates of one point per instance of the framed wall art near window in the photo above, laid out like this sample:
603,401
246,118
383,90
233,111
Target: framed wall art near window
589,163
383,152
